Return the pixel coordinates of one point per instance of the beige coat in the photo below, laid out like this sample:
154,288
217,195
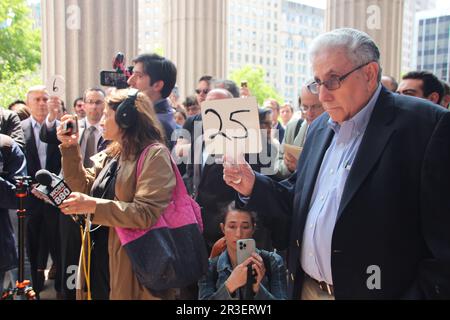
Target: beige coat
135,206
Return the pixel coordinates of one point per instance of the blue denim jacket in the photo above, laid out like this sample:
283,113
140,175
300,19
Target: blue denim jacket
212,285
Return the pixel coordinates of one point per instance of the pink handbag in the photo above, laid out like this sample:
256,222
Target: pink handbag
172,253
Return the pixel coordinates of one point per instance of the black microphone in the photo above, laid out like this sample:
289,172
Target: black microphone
54,190
52,187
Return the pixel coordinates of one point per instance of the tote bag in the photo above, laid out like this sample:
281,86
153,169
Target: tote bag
172,253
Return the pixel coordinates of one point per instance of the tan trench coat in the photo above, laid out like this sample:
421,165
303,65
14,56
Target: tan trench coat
135,206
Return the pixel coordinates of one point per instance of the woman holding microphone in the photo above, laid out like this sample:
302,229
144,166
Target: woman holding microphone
111,192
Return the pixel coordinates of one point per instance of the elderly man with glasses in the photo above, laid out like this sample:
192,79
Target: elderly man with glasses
368,209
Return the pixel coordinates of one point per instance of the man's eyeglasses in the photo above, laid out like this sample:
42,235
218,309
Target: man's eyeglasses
333,83
98,102
204,91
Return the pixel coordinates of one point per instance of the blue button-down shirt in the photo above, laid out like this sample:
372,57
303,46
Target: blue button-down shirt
326,198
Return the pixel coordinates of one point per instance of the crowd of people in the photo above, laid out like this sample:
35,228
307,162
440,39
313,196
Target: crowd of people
351,204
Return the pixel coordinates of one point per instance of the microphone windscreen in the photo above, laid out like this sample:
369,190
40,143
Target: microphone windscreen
44,177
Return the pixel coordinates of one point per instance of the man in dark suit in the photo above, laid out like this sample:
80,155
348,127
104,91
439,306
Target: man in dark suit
42,227
91,142
10,126
12,164
368,208
204,174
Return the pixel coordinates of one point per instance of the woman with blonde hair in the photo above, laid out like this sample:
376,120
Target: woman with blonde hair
112,192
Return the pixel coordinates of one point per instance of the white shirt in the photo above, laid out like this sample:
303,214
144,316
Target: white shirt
98,135
40,146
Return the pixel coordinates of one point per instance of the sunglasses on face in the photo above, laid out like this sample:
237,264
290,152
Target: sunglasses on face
204,91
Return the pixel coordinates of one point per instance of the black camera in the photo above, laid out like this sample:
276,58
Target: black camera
120,76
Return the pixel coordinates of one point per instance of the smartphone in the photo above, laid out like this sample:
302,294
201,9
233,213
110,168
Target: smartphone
245,248
71,126
113,79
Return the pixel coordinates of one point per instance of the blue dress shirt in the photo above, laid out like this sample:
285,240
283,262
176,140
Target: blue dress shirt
326,198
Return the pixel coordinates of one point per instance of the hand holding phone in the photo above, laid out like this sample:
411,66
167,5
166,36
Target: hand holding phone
245,248
68,133
71,126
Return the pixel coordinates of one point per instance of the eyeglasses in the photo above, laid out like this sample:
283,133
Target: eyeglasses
315,107
98,102
333,83
204,91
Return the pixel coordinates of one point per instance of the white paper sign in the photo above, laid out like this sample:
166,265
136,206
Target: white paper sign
56,87
231,126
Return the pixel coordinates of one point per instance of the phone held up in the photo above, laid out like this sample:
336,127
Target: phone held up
245,248
71,126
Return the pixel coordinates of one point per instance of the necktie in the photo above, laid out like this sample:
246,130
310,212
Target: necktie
90,147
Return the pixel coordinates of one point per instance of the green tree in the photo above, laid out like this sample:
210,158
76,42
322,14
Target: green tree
16,85
255,77
20,44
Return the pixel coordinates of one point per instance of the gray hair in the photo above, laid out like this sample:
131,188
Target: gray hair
227,85
361,49
220,91
38,88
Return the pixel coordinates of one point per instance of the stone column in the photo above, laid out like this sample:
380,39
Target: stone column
196,39
81,37
381,19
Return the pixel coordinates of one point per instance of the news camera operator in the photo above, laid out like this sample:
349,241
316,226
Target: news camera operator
12,163
117,198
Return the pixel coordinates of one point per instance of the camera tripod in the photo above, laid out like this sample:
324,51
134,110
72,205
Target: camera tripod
23,290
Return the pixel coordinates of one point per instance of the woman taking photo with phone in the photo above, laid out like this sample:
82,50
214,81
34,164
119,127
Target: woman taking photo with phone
226,279
112,192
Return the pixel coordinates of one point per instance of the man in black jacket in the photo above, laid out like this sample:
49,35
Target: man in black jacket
12,164
10,126
366,216
42,227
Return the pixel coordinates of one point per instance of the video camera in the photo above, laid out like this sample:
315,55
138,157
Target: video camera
119,77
